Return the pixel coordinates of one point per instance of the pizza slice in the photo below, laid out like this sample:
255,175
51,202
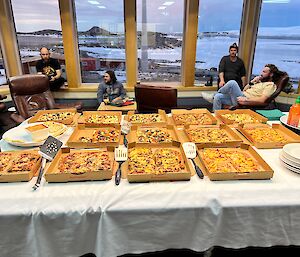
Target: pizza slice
5,159
24,162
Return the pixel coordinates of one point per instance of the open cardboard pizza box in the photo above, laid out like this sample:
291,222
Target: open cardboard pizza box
65,116
263,171
282,137
243,116
158,119
9,159
100,118
82,133
53,173
184,174
154,135
182,117
215,135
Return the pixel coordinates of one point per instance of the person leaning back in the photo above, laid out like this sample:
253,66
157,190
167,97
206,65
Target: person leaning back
232,67
258,90
51,68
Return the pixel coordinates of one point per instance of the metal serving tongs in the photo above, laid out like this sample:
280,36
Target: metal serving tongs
48,151
121,154
190,151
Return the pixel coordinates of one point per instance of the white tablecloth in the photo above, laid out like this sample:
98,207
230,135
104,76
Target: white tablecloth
71,219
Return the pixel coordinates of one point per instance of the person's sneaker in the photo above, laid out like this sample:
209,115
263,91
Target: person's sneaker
209,97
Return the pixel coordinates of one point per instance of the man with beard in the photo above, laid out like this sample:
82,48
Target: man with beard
258,90
232,67
51,68
111,88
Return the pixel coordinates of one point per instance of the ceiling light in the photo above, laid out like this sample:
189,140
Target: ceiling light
168,3
93,2
101,6
276,1
162,7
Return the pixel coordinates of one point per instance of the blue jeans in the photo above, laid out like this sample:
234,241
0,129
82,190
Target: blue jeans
227,95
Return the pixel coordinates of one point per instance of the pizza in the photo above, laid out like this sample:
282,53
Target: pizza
83,162
106,135
220,160
153,135
192,119
103,119
55,128
55,116
168,160
204,135
241,118
266,135
24,162
159,161
141,160
146,118
5,158
102,135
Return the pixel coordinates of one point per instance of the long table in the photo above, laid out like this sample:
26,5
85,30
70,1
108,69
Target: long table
70,219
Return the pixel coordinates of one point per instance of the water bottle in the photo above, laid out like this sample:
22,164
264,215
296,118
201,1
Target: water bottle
294,114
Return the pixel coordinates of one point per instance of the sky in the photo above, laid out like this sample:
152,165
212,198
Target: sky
214,15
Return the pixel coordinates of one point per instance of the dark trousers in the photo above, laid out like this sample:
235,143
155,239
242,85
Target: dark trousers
56,84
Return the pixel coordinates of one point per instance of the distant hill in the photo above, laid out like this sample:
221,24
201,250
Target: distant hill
94,31
266,32
42,32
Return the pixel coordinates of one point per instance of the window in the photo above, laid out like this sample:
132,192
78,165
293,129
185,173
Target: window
218,28
101,39
3,78
159,32
37,25
278,38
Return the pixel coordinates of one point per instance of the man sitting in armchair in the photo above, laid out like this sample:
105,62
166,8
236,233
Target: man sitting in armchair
258,89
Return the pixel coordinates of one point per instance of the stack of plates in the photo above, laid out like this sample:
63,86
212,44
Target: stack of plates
290,157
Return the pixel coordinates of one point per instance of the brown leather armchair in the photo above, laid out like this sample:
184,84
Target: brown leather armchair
151,98
270,102
31,93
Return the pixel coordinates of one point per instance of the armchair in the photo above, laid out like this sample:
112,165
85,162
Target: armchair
31,93
151,98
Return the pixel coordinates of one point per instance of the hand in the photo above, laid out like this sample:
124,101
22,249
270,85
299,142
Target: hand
222,83
52,78
241,99
256,79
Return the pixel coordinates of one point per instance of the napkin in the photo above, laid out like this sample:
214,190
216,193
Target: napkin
271,114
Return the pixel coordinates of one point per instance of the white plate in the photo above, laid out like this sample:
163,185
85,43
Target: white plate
293,151
290,167
283,119
19,136
288,161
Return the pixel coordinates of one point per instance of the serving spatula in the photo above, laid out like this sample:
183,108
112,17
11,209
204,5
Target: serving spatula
121,154
48,151
190,151
125,128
